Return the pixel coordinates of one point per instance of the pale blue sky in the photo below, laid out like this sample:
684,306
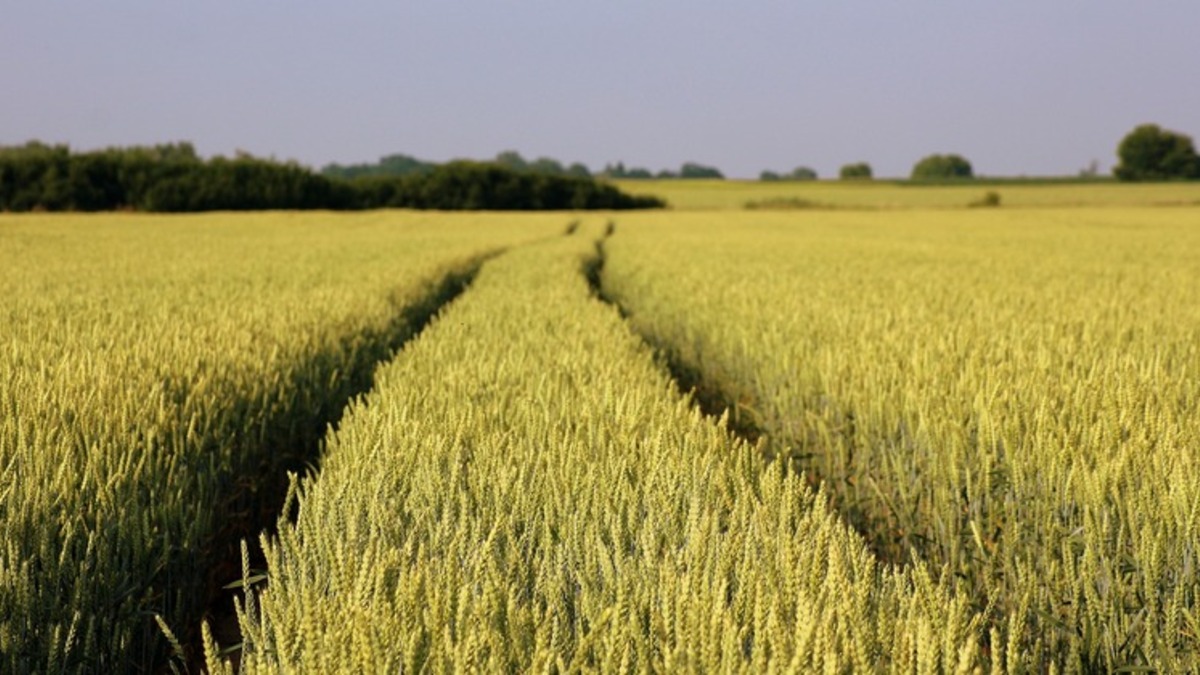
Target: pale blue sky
1018,87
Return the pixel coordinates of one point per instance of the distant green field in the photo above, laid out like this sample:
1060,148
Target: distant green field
882,194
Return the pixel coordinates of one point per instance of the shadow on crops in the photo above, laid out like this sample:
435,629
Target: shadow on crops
720,398
254,501
707,394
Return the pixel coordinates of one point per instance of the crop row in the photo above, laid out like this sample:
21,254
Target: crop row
1008,400
156,375
1001,403
525,489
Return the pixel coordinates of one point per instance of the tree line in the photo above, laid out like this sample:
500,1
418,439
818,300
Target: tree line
403,165
174,178
1147,153
687,171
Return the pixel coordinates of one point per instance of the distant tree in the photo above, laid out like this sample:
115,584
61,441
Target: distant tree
465,185
799,173
694,170
802,173
578,170
1092,170
403,165
937,167
611,170
30,176
547,166
856,171
390,165
1150,152
619,171
512,159
666,174
172,177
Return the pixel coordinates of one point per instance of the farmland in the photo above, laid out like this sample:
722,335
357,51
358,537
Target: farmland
692,195
158,375
954,439
525,490
1009,396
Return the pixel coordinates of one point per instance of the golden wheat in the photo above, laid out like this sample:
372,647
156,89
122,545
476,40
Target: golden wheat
526,490
1013,396
154,371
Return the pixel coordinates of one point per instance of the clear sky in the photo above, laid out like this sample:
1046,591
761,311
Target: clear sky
1017,86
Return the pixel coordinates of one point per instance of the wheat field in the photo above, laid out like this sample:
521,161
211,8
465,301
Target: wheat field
157,376
825,195
942,439
1010,397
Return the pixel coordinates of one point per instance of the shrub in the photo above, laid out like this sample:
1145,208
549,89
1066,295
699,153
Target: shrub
991,198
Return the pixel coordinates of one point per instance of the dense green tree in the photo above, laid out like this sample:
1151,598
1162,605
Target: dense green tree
611,170
939,167
172,177
799,173
856,171
1150,152
31,176
694,170
579,170
476,185
390,165
619,170
404,165
802,173
512,159
547,166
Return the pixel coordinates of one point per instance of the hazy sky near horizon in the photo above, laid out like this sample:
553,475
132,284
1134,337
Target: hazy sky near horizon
1018,87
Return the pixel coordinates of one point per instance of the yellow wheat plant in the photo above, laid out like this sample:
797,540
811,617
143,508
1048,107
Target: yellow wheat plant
526,490
155,372
1011,396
